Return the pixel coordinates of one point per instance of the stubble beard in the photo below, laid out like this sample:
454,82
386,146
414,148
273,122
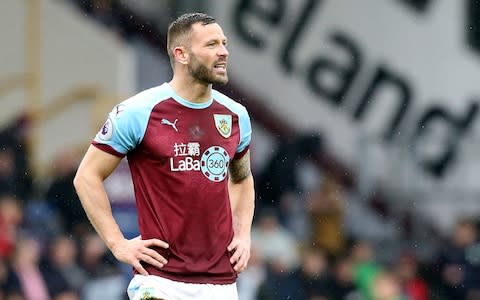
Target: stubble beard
203,74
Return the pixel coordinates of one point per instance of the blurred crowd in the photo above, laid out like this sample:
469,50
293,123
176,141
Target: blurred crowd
300,247
48,250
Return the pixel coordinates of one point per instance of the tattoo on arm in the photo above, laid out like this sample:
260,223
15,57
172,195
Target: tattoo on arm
240,168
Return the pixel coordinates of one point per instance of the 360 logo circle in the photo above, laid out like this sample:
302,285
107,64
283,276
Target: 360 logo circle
214,163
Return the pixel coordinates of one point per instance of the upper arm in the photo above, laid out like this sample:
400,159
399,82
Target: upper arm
124,128
97,164
239,169
245,132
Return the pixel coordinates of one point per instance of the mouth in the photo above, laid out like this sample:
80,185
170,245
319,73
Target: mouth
220,67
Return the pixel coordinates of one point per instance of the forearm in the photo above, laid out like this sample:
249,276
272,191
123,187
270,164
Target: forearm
242,199
95,202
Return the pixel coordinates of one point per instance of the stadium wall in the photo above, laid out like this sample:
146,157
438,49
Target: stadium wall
82,69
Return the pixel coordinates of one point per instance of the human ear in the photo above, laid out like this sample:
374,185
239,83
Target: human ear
181,55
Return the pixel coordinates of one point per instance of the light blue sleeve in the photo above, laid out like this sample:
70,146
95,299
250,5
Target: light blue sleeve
127,122
124,128
245,130
243,119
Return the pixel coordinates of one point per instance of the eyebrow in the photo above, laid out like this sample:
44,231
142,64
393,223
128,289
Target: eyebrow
216,40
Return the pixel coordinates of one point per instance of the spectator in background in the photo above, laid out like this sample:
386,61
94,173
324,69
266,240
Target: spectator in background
311,277
340,284
105,280
62,195
365,269
57,285
414,287
326,210
295,216
10,288
94,257
11,216
62,257
7,171
385,286
307,282
279,176
457,273
26,266
276,245
277,284
15,177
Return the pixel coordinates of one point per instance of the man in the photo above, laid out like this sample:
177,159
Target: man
181,139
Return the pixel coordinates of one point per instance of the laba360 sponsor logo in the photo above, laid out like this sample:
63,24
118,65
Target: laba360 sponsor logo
183,157
213,163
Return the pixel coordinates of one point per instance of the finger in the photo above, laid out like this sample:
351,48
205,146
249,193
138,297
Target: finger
240,263
233,244
243,261
155,255
236,256
149,260
156,242
242,269
244,266
140,269
239,269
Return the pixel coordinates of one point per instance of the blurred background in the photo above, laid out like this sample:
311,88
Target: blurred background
364,147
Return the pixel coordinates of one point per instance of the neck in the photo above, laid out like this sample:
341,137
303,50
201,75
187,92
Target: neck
190,89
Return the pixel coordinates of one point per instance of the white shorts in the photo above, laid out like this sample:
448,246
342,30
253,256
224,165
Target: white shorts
146,287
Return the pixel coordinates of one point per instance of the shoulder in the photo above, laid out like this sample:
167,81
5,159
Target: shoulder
128,120
145,100
229,103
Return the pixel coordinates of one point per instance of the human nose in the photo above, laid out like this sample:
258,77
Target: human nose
223,51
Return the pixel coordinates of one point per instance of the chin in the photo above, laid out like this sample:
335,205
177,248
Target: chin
221,80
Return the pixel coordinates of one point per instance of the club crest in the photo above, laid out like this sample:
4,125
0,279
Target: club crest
223,123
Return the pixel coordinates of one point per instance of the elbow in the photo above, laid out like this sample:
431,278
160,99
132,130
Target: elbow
78,180
85,179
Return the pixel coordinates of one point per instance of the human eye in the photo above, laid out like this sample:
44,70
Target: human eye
211,44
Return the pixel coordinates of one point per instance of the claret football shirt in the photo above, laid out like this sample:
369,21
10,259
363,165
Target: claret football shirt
178,153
